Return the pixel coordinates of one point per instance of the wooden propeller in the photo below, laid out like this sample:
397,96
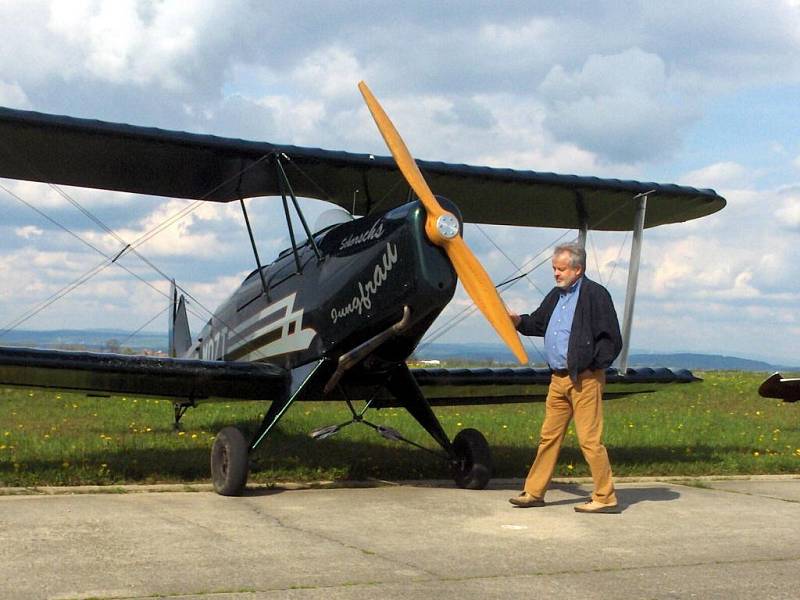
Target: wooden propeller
443,229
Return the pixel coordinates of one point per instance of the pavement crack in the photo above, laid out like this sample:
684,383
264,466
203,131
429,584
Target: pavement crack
332,540
438,579
702,485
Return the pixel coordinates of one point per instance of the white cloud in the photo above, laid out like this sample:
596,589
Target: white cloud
789,213
12,95
136,42
295,120
722,175
621,106
27,232
188,236
46,197
329,71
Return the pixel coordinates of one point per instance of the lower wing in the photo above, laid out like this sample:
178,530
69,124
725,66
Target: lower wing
197,380
119,374
460,387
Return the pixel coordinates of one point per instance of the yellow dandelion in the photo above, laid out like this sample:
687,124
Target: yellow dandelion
194,436
458,424
570,467
756,453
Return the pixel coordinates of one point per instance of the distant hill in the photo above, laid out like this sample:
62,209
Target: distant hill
682,360
703,362
92,339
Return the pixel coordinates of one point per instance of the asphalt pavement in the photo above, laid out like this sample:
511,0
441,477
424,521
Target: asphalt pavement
703,539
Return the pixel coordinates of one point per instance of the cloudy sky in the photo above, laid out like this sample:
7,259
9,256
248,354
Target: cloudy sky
698,93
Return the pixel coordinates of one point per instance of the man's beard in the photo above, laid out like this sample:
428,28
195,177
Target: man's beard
565,283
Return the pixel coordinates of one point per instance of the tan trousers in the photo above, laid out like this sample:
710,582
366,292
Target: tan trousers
583,401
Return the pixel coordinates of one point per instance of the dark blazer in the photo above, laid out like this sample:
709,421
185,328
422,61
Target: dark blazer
594,341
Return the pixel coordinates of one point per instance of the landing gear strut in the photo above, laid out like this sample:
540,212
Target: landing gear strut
180,410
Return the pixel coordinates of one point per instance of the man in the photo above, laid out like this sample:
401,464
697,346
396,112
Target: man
581,338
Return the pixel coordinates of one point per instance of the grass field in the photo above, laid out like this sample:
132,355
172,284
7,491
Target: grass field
718,427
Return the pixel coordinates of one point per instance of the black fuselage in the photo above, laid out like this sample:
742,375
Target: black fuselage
367,271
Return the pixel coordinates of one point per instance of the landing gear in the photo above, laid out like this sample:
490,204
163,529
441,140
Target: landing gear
229,457
472,467
180,410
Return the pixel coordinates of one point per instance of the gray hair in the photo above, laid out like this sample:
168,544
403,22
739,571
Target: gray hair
577,254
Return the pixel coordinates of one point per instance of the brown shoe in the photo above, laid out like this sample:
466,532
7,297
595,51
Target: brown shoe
525,500
597,507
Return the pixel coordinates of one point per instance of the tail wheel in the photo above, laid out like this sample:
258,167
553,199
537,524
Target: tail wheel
472,467
229,456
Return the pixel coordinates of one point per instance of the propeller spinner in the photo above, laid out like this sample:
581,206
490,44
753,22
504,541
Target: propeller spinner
442,228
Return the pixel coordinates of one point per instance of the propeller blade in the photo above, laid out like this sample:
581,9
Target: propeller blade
479,286
442,229
405,162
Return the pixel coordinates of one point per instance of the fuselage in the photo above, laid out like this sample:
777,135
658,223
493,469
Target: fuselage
367,271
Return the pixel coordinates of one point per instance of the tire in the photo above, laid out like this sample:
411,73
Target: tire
229,458
472,467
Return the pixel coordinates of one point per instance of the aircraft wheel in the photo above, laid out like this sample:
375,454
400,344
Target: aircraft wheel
472,467
229,457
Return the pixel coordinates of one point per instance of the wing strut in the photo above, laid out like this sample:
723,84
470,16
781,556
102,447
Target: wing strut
583,219
285,186
633,276
255,250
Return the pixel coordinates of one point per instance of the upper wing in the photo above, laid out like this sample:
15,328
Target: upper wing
117,374
97,154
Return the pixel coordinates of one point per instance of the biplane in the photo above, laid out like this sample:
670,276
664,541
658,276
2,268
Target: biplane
337,314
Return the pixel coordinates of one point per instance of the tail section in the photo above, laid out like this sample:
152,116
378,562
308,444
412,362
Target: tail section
180,338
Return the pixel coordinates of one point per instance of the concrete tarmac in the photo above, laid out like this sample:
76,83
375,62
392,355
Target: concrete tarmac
714,539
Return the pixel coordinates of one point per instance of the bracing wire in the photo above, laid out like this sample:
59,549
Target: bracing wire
594,257
455,320
469,310
132,335
128,247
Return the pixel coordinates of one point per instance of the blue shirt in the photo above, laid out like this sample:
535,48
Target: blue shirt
556,337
